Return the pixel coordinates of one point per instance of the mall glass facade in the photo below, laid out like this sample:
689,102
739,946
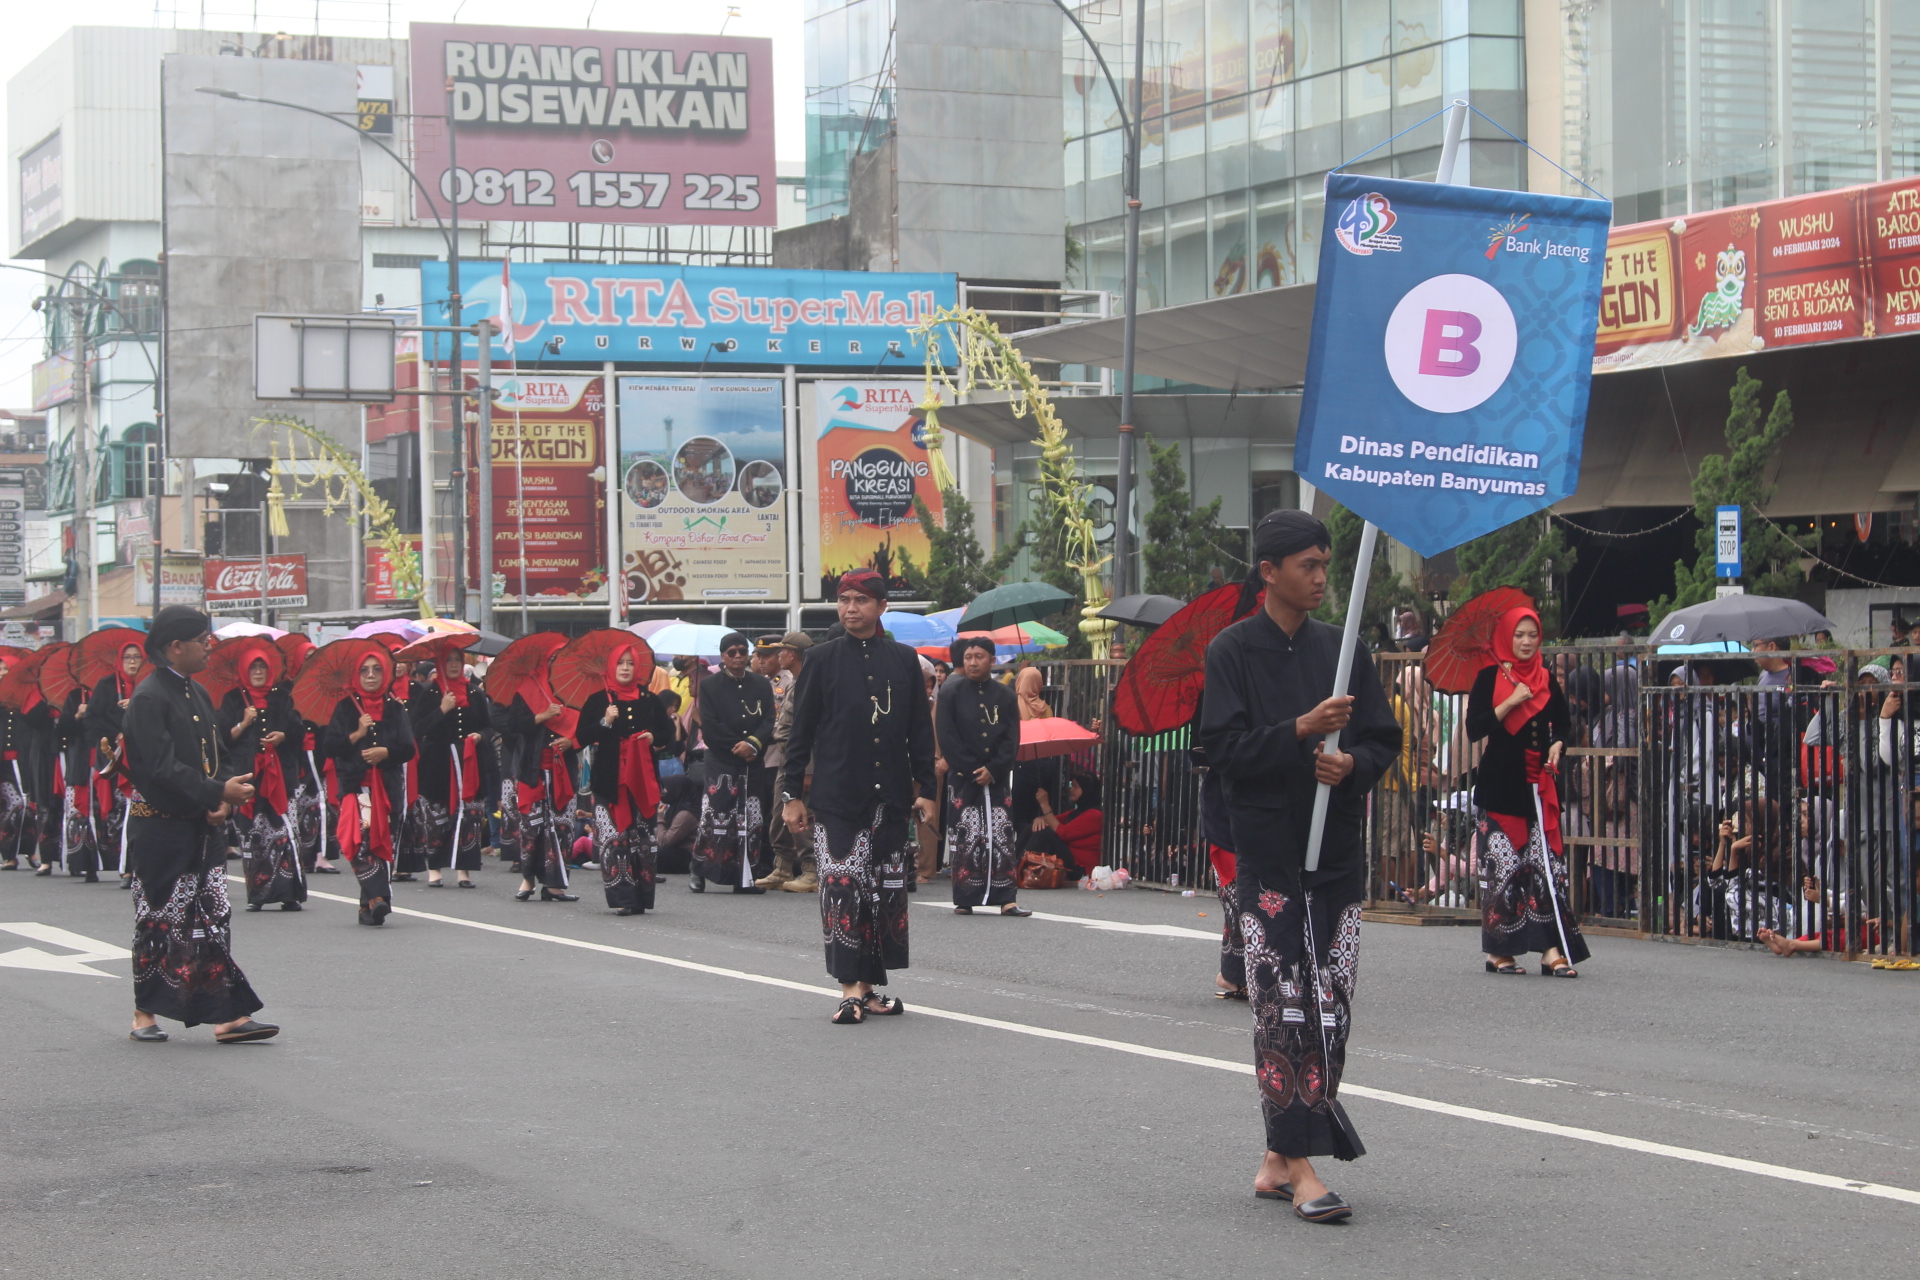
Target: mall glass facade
1248,103
849,61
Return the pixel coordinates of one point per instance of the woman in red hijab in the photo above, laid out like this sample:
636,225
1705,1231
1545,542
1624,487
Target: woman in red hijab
257,721
1517,706
539,750
459,778
370,741
621,723
112,796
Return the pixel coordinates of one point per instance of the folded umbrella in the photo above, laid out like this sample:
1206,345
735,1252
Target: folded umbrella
1053,736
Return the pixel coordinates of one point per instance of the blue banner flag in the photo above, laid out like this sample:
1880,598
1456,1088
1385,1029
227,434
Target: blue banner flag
641,314
1452,351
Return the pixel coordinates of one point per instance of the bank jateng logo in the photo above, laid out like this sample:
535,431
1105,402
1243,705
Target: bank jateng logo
1509,235
1364,225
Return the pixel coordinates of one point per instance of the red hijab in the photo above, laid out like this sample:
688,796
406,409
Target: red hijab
253,651
375,703
455,685
121,678
1512,671
268,778
639,788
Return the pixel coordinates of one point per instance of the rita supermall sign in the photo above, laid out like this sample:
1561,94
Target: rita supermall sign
1453,334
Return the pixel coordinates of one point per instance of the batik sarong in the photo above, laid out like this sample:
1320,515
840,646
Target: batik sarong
1518,912
863,893
1233,943
732,836
627,859
980,844
272,859
182,926
1302,956
453,838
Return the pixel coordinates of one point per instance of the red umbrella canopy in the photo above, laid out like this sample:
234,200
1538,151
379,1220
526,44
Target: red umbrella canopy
579,669
54,671
437,646
98,656
1160,688
1053,736
228,663
14,654
1464,645
294,647
332,671
522,668
22,680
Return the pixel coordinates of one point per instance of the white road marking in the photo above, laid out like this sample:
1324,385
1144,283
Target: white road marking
91,951
1737,1164
1110,926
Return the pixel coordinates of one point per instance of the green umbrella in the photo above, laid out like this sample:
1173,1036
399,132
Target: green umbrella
1043,635
1015,602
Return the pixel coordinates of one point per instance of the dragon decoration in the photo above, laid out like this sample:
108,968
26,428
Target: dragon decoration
984,357
328,471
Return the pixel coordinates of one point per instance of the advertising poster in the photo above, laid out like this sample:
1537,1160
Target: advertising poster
1832,267
872,450
549,505
236,583
596,126
703,489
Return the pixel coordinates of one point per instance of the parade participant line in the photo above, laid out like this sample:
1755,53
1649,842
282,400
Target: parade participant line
1737,1164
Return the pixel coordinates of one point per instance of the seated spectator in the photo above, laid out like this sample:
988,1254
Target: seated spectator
674,824
1072,836
666,755
1828,939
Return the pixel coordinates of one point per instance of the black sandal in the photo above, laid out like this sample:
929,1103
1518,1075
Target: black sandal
1014,909
1561,970
1508,967
890,1006
1229,993
963,911
851,1013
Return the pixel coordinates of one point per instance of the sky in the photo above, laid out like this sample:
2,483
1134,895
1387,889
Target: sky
30,28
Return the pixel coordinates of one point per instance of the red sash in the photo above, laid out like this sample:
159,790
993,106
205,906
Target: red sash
553,774
464,783
269,781
1516,826
637,782
379,839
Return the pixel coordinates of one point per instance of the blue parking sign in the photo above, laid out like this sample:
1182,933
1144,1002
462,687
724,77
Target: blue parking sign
1452,354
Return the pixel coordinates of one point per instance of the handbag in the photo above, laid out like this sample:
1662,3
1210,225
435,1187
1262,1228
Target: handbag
1040,871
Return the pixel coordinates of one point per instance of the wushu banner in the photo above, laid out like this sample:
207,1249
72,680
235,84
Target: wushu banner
1452,350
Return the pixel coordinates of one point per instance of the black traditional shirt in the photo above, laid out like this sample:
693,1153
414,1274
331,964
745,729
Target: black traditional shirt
278,717
1259,681
862,726
1500,782
173,745
979,724
644,714
436,731
392,730
734,711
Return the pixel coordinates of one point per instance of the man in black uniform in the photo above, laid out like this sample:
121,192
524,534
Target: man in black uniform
182,933
977,721
736,719
862,724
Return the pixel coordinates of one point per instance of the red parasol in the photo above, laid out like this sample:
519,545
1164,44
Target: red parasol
55,671
579,669
227,664
14,654
294,647
435,647
1463,648
331,672
518,664
23,677
1160,688
97,656
1054,736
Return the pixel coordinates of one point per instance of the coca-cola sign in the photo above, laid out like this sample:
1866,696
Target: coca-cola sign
238,582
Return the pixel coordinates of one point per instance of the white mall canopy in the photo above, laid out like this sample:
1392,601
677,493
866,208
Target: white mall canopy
1242,342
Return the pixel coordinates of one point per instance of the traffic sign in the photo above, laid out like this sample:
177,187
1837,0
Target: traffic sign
1727,542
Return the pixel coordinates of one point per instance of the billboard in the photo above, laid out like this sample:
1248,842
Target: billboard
596,126
1831,267
236,583
646,314
703,489
872,452
1451,359
549,490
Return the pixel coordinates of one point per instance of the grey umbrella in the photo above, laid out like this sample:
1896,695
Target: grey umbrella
1143,611
1743,619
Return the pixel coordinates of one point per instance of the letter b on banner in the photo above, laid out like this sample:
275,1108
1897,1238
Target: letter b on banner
1450,343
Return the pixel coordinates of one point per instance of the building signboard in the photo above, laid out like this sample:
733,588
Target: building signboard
872,453
703,489
380,589
13,536
645,314
236,583
549,490
42,206
182,580
597,126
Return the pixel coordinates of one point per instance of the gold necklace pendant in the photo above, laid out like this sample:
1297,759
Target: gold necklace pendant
879,710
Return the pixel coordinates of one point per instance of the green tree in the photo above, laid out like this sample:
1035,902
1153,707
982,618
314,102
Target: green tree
1771,558
957,568
1521,555
1184,544
1387,591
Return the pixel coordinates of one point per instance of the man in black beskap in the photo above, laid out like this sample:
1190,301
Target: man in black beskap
863,725
176,840
1269,701
736,720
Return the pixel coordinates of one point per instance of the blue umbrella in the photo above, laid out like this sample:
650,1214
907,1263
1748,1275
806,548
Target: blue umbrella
916,630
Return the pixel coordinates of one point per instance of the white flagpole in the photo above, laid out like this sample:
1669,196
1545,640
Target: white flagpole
1363,561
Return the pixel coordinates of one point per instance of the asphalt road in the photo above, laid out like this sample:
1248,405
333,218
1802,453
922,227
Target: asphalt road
567,1093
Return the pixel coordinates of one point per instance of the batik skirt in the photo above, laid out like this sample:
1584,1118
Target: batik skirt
313,819
863,873
627,859
515,831
1302,957
19,831
980,844
374,872
1519,913
1233,943
272,858
453,838
183,928
732,836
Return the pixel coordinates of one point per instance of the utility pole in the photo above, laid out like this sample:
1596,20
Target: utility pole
483,459
86,576
459,384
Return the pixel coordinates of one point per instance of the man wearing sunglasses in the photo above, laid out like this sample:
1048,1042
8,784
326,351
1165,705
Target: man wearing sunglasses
736,717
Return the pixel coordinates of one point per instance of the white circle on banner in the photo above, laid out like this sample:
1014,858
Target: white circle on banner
1450,343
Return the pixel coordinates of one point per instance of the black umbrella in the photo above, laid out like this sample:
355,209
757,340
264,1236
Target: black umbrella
490,644
1015,602
1742,619
1143,611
